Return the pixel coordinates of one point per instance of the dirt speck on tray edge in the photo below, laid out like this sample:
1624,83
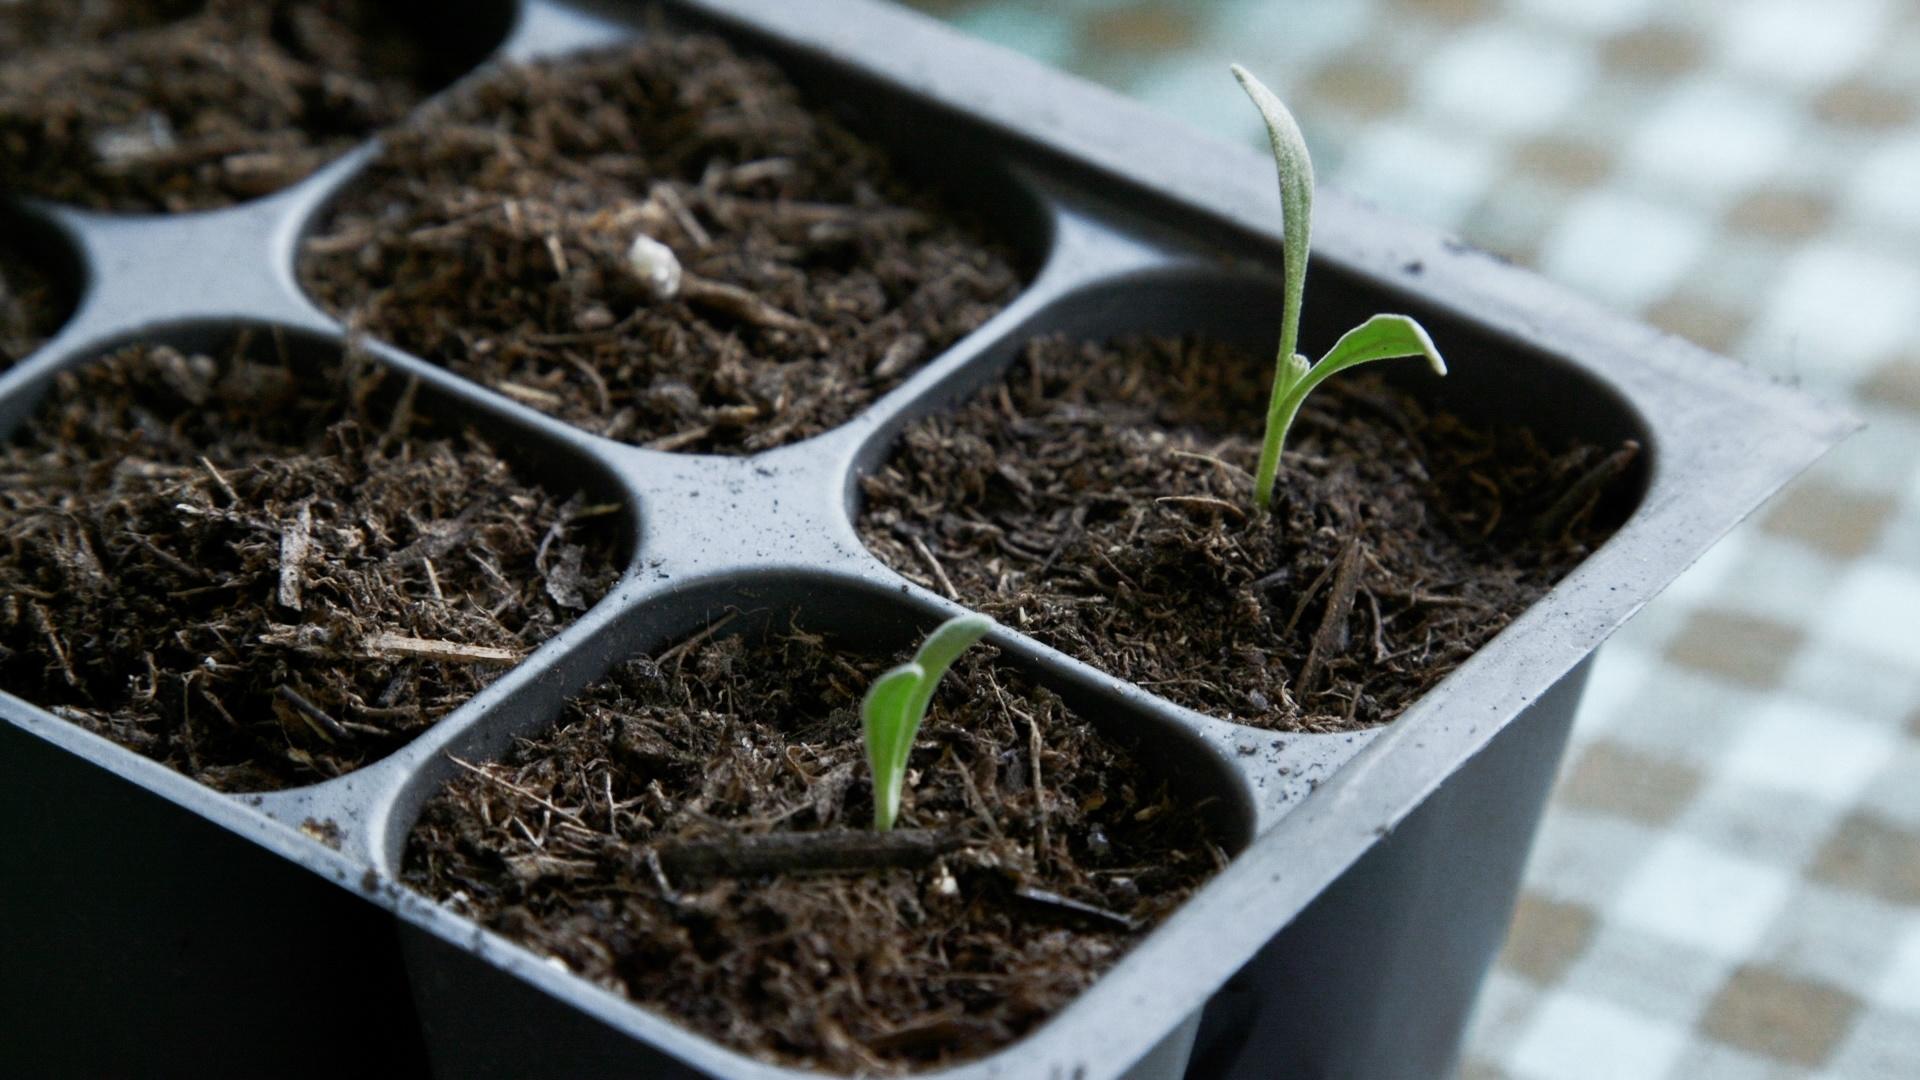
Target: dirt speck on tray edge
1064,848
495,236
265,574
1099,499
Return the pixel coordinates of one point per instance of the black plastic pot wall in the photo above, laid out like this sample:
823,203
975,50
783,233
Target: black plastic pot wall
152,925
143,940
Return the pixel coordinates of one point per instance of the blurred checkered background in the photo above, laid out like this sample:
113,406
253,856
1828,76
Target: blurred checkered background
1728,880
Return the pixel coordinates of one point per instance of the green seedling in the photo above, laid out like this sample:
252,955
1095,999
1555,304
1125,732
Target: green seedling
897,703
1383,337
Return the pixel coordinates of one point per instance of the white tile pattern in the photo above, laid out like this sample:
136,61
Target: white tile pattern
1728,883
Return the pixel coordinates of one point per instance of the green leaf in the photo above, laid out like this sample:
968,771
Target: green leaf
885,715
942,648
1295,169
897,703
1383,337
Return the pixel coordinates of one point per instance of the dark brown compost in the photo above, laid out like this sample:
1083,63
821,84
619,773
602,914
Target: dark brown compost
265,574
32,304
1100,499
1064,849
170,106
492,236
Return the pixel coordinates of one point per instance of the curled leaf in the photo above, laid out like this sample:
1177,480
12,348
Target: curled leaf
897,702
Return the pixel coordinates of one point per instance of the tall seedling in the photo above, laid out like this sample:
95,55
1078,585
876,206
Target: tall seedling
1383,337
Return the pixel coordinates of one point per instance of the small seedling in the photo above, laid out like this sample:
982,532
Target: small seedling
897,702
1383,337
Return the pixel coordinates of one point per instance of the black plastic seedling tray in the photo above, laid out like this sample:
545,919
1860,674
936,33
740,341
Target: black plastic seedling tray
153,925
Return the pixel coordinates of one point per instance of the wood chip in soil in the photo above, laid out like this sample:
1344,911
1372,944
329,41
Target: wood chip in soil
493,235
264,574
1100,500
32,305
161,106
1068,849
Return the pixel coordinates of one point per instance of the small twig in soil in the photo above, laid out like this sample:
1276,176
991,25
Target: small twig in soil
558,254
179,565
1379,627
1493,492
667,891
555,531
1270,582
311,711
210,698
1227,467
899,355
220,481
1428,599
680,438
1077,907
426,649
680,650
439,537
753,172
1313,590
1070,537
1204,502
682,216
527,395
401,420
939,573
532,797
339,243
45,623
295,540
1579,499
1034,748
1330,638
840,851
978,804
732,300
602,393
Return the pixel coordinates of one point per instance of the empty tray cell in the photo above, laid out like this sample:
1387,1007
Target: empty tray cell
37,287
1099,498
265,566
693,833
663,244
148,106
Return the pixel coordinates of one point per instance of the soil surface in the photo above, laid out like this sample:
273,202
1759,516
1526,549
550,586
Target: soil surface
169,105
1062,851
34,24
32,305
493,237
265,575
1100,500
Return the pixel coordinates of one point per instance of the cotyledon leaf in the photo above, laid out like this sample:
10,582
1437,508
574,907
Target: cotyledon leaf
897,703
